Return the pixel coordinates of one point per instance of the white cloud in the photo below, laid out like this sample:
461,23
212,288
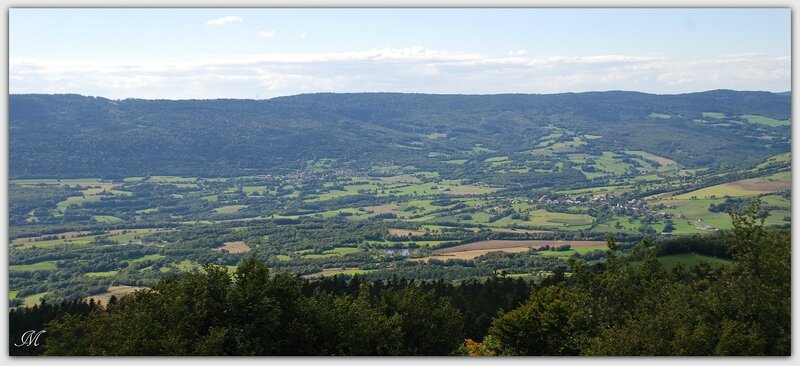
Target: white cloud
413,69
265,34
224,20
304,35
518,53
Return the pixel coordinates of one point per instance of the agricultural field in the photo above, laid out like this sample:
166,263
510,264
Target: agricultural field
766,120
125,233
746,187
118,291
234,247
40,266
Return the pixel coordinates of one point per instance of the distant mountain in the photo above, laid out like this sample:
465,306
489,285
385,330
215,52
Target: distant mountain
78,136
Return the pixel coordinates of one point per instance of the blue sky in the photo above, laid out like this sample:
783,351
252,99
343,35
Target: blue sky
249,53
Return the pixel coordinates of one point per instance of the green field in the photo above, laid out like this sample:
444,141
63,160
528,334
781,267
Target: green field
171,179
436,135
104,219
34,299
497,160
39,266
102,274
254,189
626,224
77,200
82,240
596,190
785,158
229,209
716,115
149,257
187,266
610,163
545,218
335,252
766,120
774,182
571,251
661,161
421,243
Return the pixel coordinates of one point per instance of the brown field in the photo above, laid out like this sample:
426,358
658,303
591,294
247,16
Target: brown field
65,235
118,291
235,247
761,186
404,232
661,161
402,179
506,244
472,254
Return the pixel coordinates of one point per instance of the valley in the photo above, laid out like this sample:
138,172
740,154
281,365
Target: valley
401,207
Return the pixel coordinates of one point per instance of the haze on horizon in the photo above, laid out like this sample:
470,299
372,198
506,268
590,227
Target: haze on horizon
265,53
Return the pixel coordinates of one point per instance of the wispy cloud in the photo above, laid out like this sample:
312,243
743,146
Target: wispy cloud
413,69
265,34
224,20
304,35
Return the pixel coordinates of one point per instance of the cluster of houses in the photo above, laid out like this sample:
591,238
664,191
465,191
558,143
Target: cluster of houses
620,205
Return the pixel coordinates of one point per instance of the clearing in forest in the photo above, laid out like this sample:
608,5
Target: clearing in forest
658,159
118,291
234,247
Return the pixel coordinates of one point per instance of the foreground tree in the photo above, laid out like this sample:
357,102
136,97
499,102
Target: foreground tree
635,307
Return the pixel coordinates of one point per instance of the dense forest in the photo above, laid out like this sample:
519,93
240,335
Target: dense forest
626,304
59,136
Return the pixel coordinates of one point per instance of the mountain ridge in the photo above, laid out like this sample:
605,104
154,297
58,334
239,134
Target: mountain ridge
72,135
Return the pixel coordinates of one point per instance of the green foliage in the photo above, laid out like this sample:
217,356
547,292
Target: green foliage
741,309
254,313
554,167
76,136
430,325
545,325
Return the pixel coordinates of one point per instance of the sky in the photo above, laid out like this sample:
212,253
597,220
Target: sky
265,53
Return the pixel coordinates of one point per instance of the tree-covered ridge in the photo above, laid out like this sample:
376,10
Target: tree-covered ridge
76,136
628,304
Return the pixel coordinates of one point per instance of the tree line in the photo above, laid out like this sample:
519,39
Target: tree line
627,304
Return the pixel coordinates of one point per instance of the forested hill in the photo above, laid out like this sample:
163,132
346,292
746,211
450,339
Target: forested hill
77,136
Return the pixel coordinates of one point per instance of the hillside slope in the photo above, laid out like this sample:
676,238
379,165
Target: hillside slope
77,136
